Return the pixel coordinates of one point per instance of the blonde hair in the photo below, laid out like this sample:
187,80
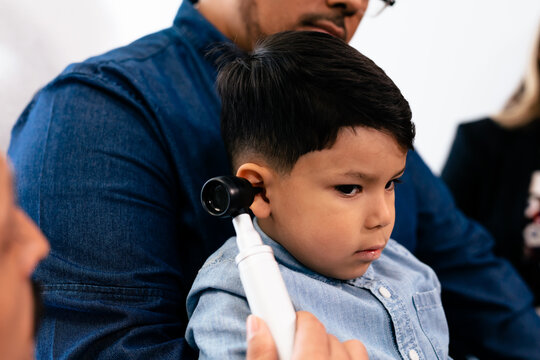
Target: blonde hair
524,105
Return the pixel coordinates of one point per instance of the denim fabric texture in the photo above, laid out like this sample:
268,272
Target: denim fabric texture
394,308
110,158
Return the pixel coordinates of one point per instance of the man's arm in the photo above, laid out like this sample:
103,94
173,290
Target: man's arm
95,175
489,308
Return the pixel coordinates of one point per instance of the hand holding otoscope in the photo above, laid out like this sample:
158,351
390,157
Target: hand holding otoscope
265,290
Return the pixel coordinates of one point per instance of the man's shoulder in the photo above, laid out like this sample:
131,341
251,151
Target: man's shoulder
156,76
151,53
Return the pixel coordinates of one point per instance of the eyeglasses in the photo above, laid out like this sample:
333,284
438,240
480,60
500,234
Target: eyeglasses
375,7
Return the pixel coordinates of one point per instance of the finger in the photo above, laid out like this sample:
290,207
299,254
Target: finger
260,343
311,341
356,350
337,349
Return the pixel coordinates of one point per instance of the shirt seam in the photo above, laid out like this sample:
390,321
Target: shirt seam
115,291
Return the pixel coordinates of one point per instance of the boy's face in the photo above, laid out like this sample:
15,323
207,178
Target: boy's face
334,211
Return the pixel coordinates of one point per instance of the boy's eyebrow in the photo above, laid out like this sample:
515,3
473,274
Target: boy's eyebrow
367,177
400,172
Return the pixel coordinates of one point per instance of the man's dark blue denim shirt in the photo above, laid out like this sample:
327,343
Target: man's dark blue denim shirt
110,158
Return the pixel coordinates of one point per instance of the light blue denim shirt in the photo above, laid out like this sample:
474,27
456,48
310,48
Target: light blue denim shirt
394,308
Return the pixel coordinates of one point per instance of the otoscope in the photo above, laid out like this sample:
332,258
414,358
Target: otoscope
266,293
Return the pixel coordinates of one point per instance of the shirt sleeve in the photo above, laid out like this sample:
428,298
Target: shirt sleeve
93,172
218,309
488,306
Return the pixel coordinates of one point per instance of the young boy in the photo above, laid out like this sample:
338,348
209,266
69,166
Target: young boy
325,133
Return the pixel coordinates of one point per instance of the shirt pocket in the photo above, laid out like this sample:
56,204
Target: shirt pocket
432,320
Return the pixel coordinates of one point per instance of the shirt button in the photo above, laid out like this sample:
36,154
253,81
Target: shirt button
413,355
384,292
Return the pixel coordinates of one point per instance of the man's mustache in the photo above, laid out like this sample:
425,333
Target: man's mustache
312,19
38,305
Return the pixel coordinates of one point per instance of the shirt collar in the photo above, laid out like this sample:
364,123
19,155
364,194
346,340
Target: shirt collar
194,27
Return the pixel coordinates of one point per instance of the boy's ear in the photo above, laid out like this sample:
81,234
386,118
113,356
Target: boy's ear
259,176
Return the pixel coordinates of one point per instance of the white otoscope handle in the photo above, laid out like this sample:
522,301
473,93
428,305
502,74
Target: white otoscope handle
267,295
265,289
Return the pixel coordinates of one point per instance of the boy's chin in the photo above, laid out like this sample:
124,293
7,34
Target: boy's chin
350,274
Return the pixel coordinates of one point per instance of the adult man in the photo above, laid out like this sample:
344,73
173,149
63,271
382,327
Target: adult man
22,246
111,157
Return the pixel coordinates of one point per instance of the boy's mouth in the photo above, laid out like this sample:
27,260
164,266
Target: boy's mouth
370,254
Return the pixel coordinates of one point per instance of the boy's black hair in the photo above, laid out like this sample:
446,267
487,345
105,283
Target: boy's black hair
296,90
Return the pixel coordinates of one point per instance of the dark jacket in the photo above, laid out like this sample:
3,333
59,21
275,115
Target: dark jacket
489,171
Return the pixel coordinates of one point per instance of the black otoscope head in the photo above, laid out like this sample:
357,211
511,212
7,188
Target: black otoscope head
227,196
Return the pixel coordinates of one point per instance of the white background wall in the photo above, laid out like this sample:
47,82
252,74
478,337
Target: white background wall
454,60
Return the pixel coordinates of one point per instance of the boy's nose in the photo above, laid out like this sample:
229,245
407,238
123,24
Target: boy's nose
381,212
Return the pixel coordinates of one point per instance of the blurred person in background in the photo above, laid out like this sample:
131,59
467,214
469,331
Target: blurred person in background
22,246
490,170
110,158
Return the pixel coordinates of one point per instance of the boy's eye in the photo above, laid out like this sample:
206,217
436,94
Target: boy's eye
349,190
392,183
